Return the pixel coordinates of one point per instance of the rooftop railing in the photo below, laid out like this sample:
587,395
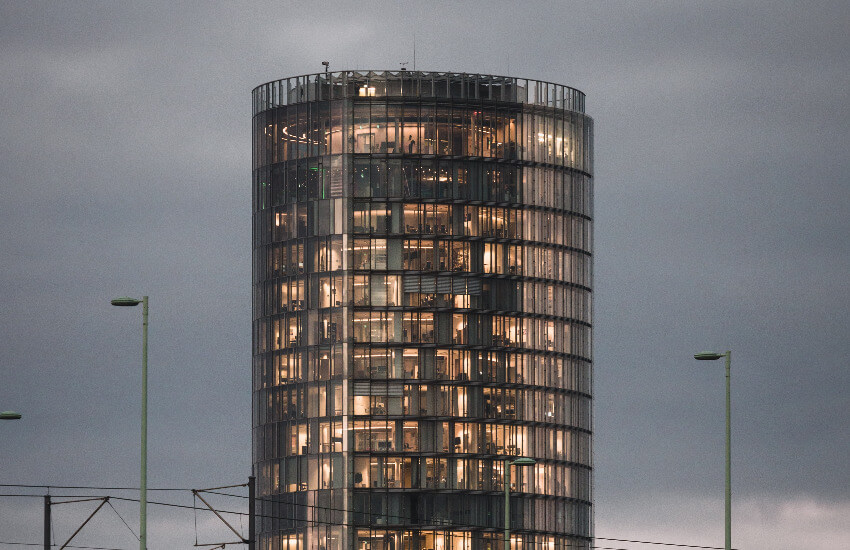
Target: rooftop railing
414,84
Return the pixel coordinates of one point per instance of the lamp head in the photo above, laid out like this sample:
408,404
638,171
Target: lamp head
524,461
125,302
708,356
10,415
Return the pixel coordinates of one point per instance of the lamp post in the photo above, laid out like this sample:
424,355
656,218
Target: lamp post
713,356
508,464
143,484
10,415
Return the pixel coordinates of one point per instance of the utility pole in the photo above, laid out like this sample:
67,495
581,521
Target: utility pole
252,513
46,522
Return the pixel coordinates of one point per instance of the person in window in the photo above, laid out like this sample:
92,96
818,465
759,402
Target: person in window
410,144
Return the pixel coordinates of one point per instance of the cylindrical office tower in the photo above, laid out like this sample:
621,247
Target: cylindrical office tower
421,312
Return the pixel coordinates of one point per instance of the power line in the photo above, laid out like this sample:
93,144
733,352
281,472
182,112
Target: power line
465,525
345,524
172,505
311,506
25,486
41,544
662,543
124,499
122,519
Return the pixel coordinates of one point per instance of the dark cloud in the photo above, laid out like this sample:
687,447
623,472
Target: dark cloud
721,220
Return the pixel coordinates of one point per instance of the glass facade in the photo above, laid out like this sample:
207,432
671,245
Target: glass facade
421,312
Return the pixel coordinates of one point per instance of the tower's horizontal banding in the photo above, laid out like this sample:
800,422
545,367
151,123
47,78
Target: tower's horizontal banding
422,311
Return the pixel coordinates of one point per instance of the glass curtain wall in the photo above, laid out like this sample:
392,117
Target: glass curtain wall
421,312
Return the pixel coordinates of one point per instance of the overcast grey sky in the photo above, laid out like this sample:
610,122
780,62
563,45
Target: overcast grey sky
722,221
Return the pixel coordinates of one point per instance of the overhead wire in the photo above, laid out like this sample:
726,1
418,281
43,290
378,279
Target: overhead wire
314,507
347,524
468,525
69,546
122,520
662,543
23,485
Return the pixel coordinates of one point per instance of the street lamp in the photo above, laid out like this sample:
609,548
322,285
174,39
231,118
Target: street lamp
508,464
713,356
10,415
143,485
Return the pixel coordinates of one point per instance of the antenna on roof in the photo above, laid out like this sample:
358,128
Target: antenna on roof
326,64
414,49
